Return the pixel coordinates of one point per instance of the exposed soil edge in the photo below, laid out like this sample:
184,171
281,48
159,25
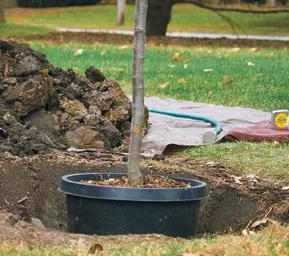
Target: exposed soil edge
230,207
67,37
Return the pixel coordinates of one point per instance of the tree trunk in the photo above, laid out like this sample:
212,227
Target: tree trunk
159,15
271,3
2,19
120,12
10,3
137,123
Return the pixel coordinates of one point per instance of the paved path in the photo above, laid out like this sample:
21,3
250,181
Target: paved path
181,34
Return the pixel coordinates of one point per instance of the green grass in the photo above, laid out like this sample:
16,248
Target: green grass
230,81
184,18
269,160
8,30
200,74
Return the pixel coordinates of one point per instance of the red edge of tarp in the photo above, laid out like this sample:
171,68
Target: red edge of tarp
263,131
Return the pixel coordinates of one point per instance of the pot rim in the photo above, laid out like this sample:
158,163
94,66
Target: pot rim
70,184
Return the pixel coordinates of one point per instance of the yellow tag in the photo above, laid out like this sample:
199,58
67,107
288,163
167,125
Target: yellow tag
281,120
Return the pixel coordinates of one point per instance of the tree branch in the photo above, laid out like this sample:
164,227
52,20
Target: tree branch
223,9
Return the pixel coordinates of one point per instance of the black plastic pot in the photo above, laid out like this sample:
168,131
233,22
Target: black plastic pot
104,210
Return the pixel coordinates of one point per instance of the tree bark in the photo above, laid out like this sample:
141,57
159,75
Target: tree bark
134,174
159,15
271,3
120,12
2,18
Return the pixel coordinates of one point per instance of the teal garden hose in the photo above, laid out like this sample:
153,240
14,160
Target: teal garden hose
208,136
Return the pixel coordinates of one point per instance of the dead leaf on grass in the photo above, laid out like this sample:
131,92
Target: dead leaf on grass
190,254
123,47
246,232
260,223
253,49
176,56
78,52
208,70
235,49
95,248
182,80
164,85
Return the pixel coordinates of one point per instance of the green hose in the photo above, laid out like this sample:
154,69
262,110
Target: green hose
216,124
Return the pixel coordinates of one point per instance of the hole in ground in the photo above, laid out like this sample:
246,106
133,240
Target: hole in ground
28,187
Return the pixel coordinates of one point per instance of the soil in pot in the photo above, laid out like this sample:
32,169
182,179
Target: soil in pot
149,182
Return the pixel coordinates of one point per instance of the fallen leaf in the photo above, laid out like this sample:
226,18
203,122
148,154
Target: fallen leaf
253,178
186,60
190,254
76,69
95,248
227,79
210,163
78,52
164,85
123,47
176,56
259,223
182,80
237,179
251,64
236,49
22,200
44,71
208,70
285,188
253,49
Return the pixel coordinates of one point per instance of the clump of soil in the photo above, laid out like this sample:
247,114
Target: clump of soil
43,108
149,182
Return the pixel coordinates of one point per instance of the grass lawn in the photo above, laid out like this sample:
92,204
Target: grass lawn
7,30
274,240
184,18
233,77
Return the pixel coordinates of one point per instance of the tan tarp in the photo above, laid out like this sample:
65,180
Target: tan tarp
166,130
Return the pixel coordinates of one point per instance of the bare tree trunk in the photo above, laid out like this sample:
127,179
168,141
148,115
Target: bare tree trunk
137,124
2,18
120,12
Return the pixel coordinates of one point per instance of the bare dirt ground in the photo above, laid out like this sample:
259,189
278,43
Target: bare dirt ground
102,38
235,202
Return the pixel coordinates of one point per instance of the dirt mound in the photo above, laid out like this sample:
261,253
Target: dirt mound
43,108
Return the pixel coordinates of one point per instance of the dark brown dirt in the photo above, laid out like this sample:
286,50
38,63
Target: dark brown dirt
15,231
94,38
232,204
44,109
149,182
